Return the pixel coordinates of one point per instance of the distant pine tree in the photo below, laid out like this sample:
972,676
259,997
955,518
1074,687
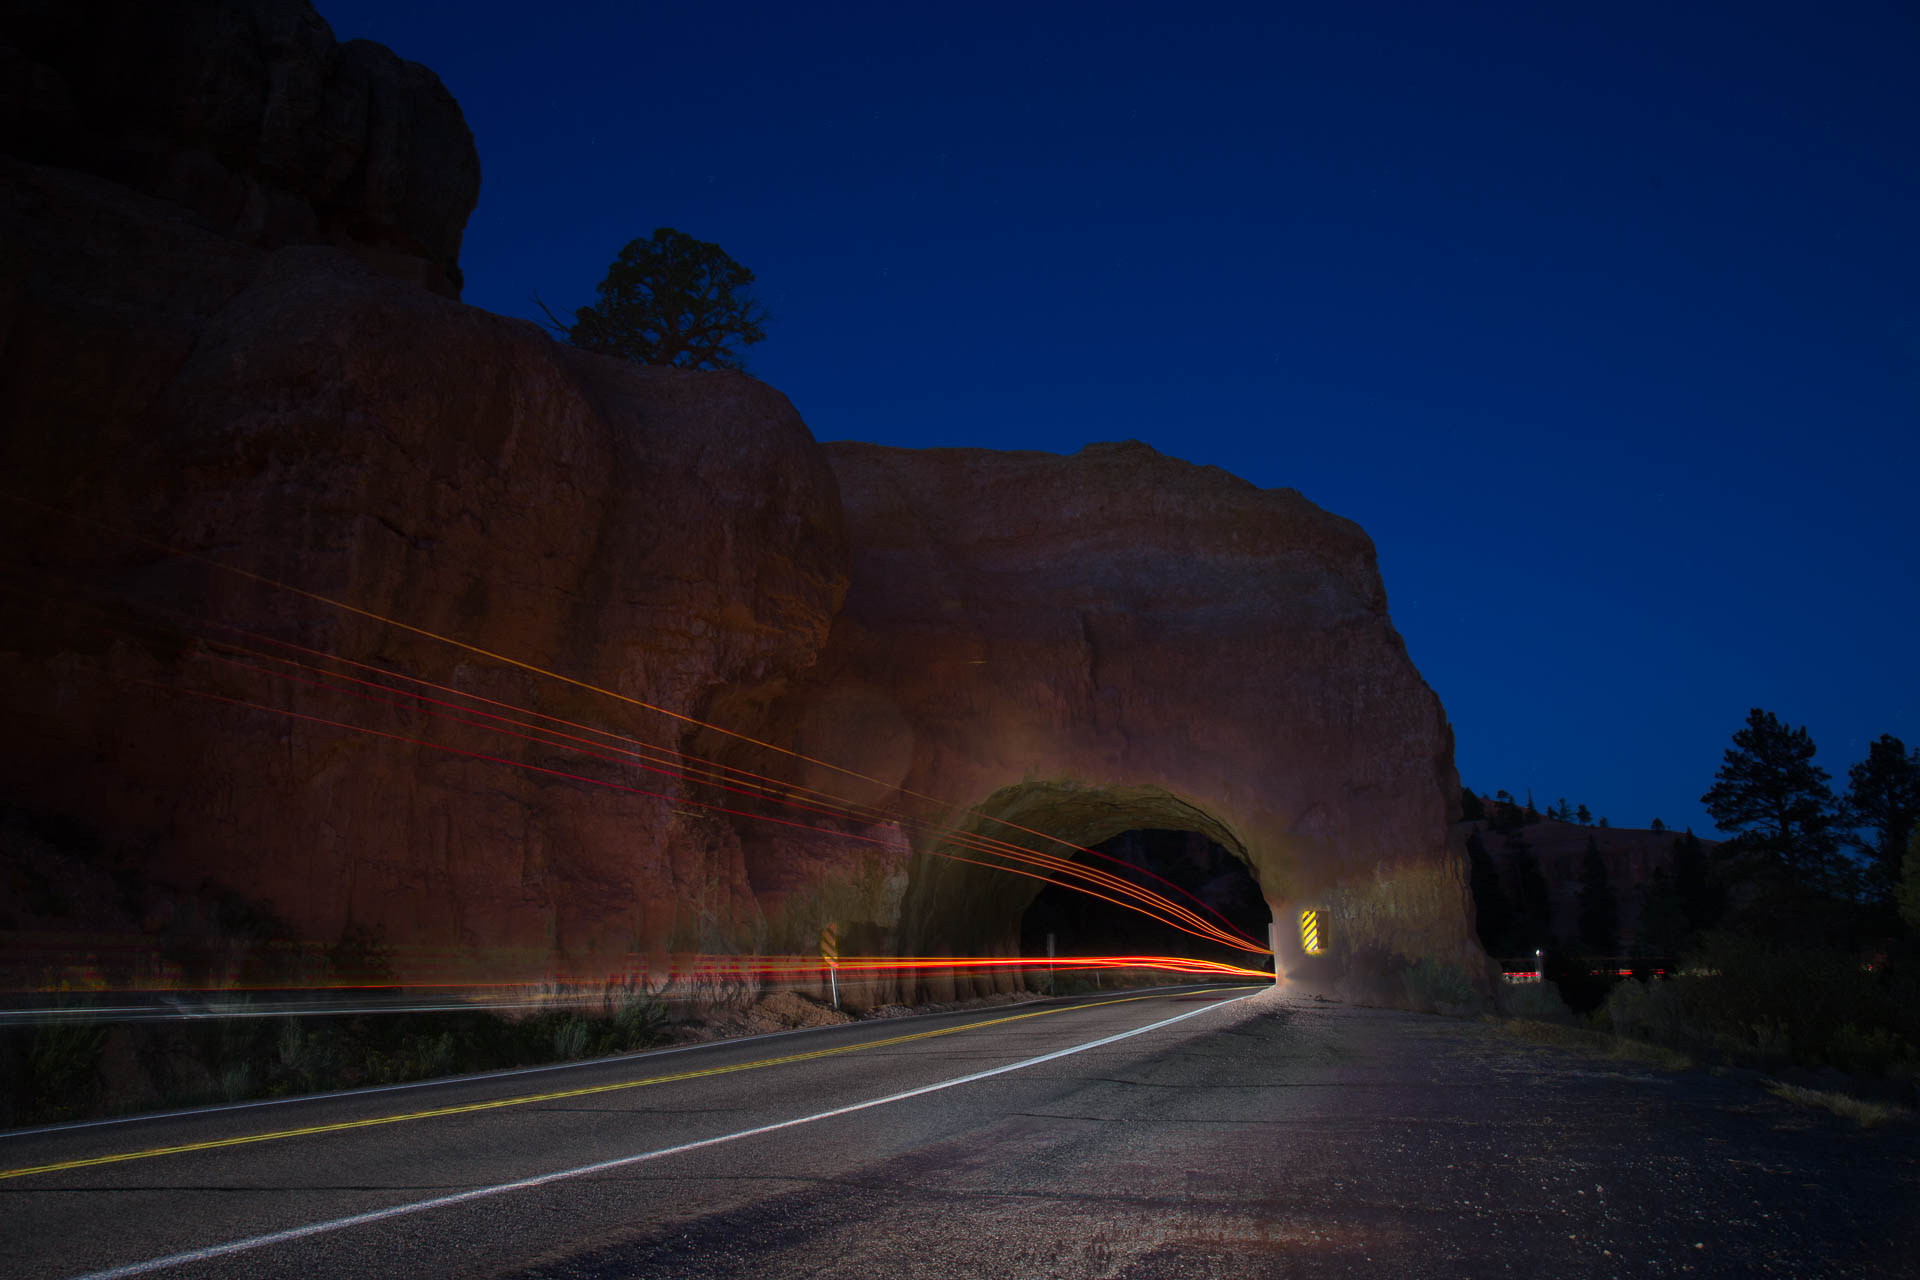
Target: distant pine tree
1883,800
1663,920
1659,825
1492,913
1528,893
1582,815
1599,915
1702,901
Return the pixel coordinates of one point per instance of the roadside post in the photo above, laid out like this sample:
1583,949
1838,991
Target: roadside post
830,953
1273,943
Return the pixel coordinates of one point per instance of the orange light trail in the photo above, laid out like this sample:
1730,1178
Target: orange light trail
1211,936
554,675
680,971
1155,904
713,773
676,764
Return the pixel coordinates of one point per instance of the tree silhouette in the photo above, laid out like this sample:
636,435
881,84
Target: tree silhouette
1771,794
671,300
1907,897
1658,825
1599,915
1527,891
1702,901
1583,815
1492,913
1883,799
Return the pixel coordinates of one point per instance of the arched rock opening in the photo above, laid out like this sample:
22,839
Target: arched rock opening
962,902
1183,866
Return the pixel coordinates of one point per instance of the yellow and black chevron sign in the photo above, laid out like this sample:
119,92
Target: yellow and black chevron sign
829,945
1310,932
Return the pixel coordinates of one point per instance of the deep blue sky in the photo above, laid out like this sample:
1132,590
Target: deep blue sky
1605,325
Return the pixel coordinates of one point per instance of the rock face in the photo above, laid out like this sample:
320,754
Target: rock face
250,115
246,466
169,393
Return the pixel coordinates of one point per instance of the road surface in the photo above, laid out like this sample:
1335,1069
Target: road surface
1231,1132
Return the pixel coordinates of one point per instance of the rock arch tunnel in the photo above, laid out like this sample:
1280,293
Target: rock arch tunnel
959,907
1058,649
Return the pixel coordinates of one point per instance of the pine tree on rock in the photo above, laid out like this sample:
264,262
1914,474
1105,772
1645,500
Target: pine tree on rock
670,300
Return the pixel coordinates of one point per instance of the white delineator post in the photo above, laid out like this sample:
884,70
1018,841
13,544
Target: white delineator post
830,953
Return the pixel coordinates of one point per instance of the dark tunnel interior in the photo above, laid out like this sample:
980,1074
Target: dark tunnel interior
1084,925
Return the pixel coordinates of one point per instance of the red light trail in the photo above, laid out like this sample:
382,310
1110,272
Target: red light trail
608,747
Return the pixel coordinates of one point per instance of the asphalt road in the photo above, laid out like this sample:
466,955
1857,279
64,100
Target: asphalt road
1178,1134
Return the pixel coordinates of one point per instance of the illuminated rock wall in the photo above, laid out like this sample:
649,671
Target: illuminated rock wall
1080,645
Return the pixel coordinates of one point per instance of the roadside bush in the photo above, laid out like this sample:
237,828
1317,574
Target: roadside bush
1436,987
50,1072
1751,1002
1539,1000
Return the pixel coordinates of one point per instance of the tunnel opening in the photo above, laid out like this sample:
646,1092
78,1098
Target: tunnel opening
1185,866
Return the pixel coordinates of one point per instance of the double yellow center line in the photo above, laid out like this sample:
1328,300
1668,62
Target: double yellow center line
558,1095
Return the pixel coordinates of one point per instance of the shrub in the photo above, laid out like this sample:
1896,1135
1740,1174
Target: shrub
1434,986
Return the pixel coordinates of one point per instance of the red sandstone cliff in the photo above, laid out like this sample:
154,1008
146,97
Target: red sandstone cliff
221,440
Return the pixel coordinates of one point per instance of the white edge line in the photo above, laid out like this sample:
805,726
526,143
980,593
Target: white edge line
477,1076
540,1180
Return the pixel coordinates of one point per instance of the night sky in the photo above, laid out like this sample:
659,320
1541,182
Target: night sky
1605,325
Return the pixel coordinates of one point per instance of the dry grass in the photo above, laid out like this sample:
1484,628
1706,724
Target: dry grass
1561,1036
1859,1110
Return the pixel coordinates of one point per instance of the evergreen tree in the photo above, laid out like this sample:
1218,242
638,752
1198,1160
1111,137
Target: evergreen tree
1907,897
1492,913
1602,824
1659,825
1883,800
1533,814
1776,800
1663,920
1565,812
1582,815
1701,900
1599,915
1527,892
670,300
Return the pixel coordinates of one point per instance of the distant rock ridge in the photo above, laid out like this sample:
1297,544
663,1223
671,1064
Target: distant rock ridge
204,394
249,114
1633,855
